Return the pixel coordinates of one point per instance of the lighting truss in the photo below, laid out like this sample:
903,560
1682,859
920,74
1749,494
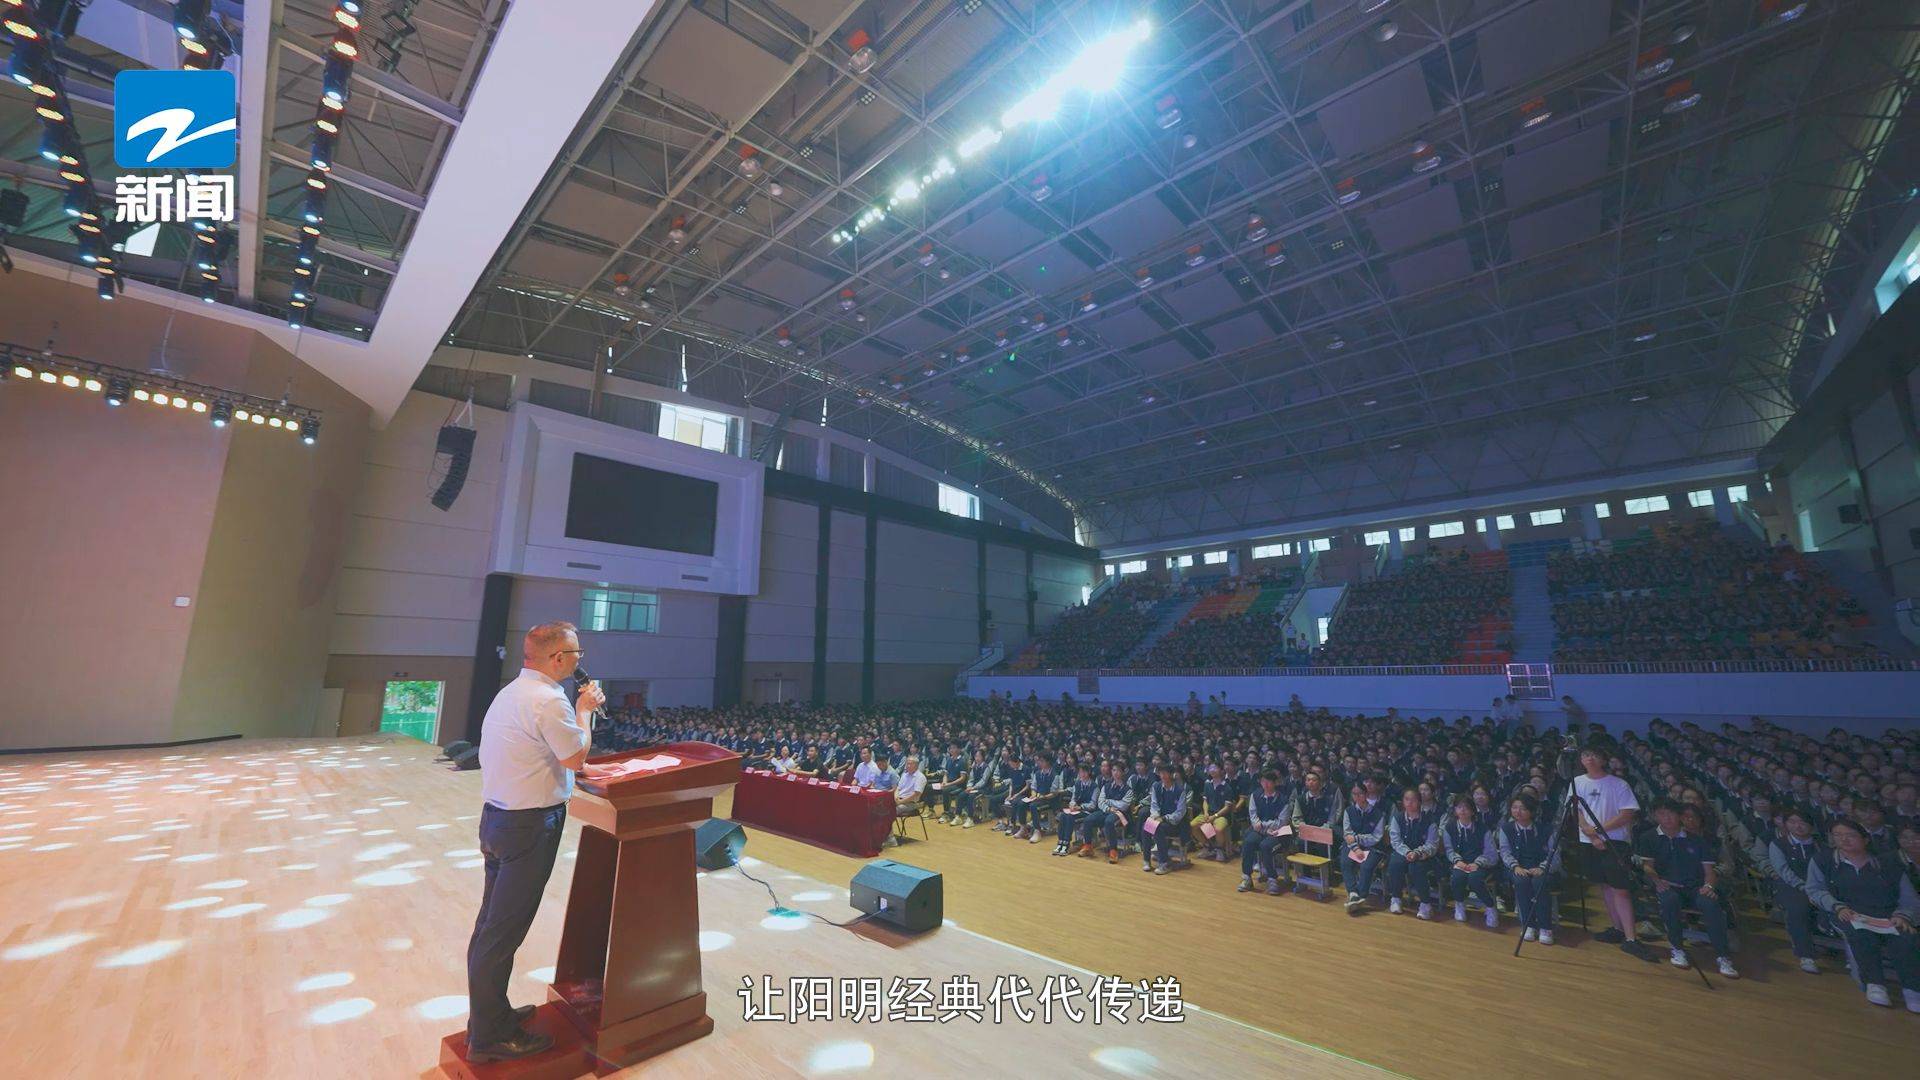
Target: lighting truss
26,365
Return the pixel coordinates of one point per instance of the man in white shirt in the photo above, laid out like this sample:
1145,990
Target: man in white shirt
907,791
1605,848
868,773
531,743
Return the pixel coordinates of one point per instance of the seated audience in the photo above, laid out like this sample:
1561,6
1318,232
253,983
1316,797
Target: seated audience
1413,839
1362,828
1875,907
1680,866
1471,856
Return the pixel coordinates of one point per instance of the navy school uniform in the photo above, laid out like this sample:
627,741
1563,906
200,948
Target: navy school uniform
1366,830
1171,806
1530,847
1113,801
1260,848
1791,859
1878,889
1409,837
1471,843
1044,784
1681,860
1081,795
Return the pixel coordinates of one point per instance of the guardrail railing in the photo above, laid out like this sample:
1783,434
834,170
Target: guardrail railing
1676,667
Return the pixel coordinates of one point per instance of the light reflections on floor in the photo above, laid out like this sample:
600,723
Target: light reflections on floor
1125,1060
34,950
326,981
346,1009
445,1007
193,902
714,940
142,954
839,1057
385,878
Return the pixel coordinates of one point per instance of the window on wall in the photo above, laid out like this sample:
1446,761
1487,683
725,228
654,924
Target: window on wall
695,427
959,503
1651,504
1181,561
1109,569
1737,493
1445,528
1272,551
1134,566
1409,533
1378,538
619,611
1321,627
1325,543
1703,497
1213,558
1546,517
1601,510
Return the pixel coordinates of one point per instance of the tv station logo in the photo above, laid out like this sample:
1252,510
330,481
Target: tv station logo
175,120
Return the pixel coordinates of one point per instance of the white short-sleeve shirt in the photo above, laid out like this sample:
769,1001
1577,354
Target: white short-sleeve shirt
528,731
1606,796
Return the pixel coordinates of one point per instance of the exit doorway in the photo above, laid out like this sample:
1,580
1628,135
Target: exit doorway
411,707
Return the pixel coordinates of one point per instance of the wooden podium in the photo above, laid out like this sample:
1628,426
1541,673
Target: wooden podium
627,983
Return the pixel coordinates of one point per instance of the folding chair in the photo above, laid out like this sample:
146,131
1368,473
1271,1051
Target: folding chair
919,814
1311,869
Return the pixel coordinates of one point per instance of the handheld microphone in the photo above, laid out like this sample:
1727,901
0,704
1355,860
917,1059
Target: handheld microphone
581,678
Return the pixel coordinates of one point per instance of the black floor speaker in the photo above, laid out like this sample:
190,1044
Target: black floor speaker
467,760
903,895
717,844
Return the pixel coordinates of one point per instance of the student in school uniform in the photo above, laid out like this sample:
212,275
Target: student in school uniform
1877,909
981,776
1078,813
1790,852
1166,810
1471,855
1532,860
1029,811
1138,786
1219,799
1413,841
1363,827
950,778
1113,806
1267,814
1680,867
1012,785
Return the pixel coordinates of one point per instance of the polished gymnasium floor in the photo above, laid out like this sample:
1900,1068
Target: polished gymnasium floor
301,907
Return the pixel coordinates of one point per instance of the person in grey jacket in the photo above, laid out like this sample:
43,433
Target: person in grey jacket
1471,854
1362,826
1791,854
1166,812
1413,839
1876,907
1112,805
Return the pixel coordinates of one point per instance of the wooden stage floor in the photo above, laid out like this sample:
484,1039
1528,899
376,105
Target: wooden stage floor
300,907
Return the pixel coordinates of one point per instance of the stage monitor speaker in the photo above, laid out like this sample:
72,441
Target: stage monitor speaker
903,895
717,844
467,760
1913,537
1849,513
13,209
452,456
455,748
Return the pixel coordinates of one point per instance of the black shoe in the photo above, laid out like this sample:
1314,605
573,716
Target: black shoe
1610,936
1638,951
521,1015
521,1043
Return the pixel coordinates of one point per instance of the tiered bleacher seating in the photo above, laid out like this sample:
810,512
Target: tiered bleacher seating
1239,627
1451,607
1096,635
1695,592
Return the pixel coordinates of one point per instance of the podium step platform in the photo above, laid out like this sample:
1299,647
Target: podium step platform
568,1058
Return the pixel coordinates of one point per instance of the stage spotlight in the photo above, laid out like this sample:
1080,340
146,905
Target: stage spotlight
49,377
222,413
106,286
117,391
317,180
199,406
210,291
28,65
306,251
296,318
77,202
311,432
188,16
56,145
335,82
160,399
274,422
257,419
22,31
142,395
321,156
346,43
314,210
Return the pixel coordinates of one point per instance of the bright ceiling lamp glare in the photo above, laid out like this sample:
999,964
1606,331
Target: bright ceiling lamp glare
1776,12
1167,112
1096,70
159,398
296,318
860,52
1644,335
346,43
180,402
1680,96
189,16
1425,157
923,255
336,84
1534,112
346,18
749,162
22,31
1196,255
904,192
142,395
1386,31
306,252
49,377
1274,254
56,145
70,381
275,422
320,156
1088,303
257,419
978,141
848,300
783,337
1652,63
677,231
117,391
241,416
1347,191
199,406
1256,229
1038,189
50,111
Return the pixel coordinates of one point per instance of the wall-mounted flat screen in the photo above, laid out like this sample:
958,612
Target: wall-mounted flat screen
613,502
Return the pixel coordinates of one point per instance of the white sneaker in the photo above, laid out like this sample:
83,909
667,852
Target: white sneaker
1678,958
1530,935
1493,918
1912,998
1246,884
1727,970
1809,965
1393,906
1546,937
966,823
1034,839
1878,994
1459,911
1425,912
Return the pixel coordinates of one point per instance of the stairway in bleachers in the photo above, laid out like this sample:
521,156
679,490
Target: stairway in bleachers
1167,614
1881,632
1532,606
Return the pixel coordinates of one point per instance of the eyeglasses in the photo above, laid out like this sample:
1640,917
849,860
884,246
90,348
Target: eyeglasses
579,653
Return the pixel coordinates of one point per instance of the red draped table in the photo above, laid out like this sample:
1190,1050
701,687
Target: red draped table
853,821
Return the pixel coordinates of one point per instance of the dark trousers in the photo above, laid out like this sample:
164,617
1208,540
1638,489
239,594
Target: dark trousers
1359,872
1799,915
1871,952
1071,825
519,846
1261,849
1532,900
1712,916
1461,881
1153,846
1109,824
1400,869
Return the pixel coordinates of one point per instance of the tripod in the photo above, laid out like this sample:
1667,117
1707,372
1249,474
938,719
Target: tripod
1568,808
